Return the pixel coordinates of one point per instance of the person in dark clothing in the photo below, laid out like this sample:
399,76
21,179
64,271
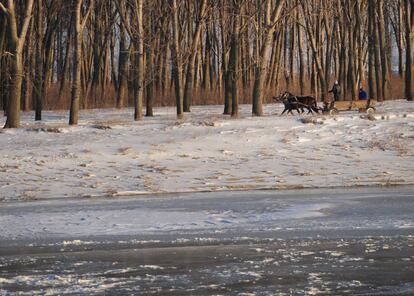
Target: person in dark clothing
336,90
362,94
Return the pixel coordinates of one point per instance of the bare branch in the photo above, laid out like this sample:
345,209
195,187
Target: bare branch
85,19
4,9
26,22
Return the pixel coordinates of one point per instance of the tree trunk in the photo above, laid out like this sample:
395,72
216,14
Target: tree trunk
351,54
313,36
150,83
29,62
301,61
377,59
77,59
48,57
139,92
207,61
177,65
225,63
234,59
3,63
371,49
360,45
409,40
66,64
122,71
383,50
16,42
193,54
39,80
261,71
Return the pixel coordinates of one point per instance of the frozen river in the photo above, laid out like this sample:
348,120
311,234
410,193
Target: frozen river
308,242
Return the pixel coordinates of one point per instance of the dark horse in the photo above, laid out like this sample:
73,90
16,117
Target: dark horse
289,102
298,103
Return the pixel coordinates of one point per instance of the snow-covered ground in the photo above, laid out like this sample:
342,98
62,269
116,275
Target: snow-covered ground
110,155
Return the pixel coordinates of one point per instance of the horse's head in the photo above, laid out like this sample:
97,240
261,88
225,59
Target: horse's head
278,98
285,96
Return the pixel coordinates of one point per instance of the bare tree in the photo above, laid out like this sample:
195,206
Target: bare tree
177,60
312,27
383,50
134,52
225,36
237,6
371,54
122,67
193,55
409,40
16,42
39,83
272,15
139,60
77,59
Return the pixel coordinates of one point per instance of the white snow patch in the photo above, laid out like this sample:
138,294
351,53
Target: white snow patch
152,267
74,243
205,152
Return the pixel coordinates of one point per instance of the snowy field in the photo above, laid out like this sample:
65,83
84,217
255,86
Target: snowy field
110,155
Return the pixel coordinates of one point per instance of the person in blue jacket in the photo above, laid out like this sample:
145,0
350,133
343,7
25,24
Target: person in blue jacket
362,94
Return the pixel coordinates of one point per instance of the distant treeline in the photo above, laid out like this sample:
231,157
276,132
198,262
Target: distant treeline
73,54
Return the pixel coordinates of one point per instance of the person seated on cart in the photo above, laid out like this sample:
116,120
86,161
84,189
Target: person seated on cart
362,94
336,90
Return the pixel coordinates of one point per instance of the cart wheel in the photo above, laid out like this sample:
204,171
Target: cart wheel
370,110
333,111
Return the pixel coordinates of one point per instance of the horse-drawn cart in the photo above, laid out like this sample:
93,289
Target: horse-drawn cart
363,106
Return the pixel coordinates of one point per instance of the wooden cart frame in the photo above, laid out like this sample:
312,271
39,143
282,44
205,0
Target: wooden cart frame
363,106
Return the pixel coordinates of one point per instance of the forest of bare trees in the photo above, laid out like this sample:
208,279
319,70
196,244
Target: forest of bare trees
74,54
